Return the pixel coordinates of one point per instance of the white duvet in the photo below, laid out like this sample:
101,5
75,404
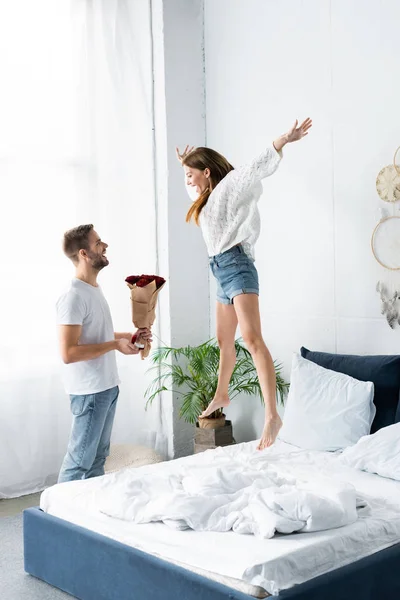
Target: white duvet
247,498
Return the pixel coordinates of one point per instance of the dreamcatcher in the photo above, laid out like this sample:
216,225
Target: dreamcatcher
385,243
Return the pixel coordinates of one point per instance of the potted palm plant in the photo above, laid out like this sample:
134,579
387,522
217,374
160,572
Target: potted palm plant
192,372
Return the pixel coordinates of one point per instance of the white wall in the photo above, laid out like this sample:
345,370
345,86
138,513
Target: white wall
180,119
270,62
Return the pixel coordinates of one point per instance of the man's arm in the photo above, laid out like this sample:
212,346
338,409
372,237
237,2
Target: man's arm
123,336
72,351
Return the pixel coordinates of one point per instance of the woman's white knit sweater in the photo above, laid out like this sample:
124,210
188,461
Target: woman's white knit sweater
231,215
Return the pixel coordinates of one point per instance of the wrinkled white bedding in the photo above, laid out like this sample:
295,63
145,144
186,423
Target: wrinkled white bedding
247,498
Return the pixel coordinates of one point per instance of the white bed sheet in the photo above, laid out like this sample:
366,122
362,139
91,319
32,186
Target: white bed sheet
243,561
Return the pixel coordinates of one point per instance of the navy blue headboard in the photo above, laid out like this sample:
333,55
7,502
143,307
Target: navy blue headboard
383,371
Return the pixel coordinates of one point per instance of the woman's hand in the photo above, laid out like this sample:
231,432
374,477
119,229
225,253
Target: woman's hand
293,135
297,133
184,154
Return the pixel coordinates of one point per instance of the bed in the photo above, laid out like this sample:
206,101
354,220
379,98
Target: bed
70,543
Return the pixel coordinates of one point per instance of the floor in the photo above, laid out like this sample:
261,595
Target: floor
13,506
15,583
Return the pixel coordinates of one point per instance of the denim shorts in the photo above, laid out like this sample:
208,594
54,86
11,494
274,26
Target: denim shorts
235,274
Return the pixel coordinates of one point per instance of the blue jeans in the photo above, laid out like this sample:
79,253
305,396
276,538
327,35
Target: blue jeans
235,274
89,441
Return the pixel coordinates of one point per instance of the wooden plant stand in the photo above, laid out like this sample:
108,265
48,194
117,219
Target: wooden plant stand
206,439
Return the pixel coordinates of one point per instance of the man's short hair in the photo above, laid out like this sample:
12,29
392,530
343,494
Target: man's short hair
76,239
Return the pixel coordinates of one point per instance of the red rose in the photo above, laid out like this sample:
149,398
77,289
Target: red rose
143,280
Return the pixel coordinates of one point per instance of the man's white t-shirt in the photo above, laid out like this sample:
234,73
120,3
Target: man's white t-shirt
83,304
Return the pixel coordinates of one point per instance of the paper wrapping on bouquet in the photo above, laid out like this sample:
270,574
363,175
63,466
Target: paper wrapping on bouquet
144,295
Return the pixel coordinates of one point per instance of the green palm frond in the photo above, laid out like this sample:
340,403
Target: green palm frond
193,405
154,394
193,373
282,386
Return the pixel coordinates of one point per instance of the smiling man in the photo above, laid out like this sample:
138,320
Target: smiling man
88,343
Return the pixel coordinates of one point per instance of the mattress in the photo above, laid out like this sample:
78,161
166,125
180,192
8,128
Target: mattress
254,566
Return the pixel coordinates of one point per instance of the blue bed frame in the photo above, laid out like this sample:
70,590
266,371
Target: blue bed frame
91,566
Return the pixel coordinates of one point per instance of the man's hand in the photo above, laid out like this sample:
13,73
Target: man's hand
184,154
144,333
126,347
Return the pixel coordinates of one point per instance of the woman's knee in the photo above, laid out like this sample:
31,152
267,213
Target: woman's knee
225,343
253,342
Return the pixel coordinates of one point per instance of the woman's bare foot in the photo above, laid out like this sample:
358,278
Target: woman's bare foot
218,402
270,432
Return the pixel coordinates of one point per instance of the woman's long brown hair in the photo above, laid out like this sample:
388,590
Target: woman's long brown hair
206,158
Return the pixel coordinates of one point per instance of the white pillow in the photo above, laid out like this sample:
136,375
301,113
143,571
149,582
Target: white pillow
326,410
378,453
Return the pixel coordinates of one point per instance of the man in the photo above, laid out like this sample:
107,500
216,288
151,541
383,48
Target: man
88,344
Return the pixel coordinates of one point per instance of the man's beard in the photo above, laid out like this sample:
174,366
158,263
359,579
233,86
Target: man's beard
98,262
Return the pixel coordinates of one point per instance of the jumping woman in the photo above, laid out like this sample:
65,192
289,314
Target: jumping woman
226,210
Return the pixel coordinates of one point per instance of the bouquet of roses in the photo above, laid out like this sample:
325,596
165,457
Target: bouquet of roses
144,294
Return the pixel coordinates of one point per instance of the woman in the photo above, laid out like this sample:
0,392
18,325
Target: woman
226,210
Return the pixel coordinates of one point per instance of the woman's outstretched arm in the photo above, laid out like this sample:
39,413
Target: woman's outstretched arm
268,161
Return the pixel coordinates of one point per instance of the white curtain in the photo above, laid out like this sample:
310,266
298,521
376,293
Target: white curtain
75,147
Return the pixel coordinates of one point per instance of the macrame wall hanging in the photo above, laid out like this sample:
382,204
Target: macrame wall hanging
385,242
